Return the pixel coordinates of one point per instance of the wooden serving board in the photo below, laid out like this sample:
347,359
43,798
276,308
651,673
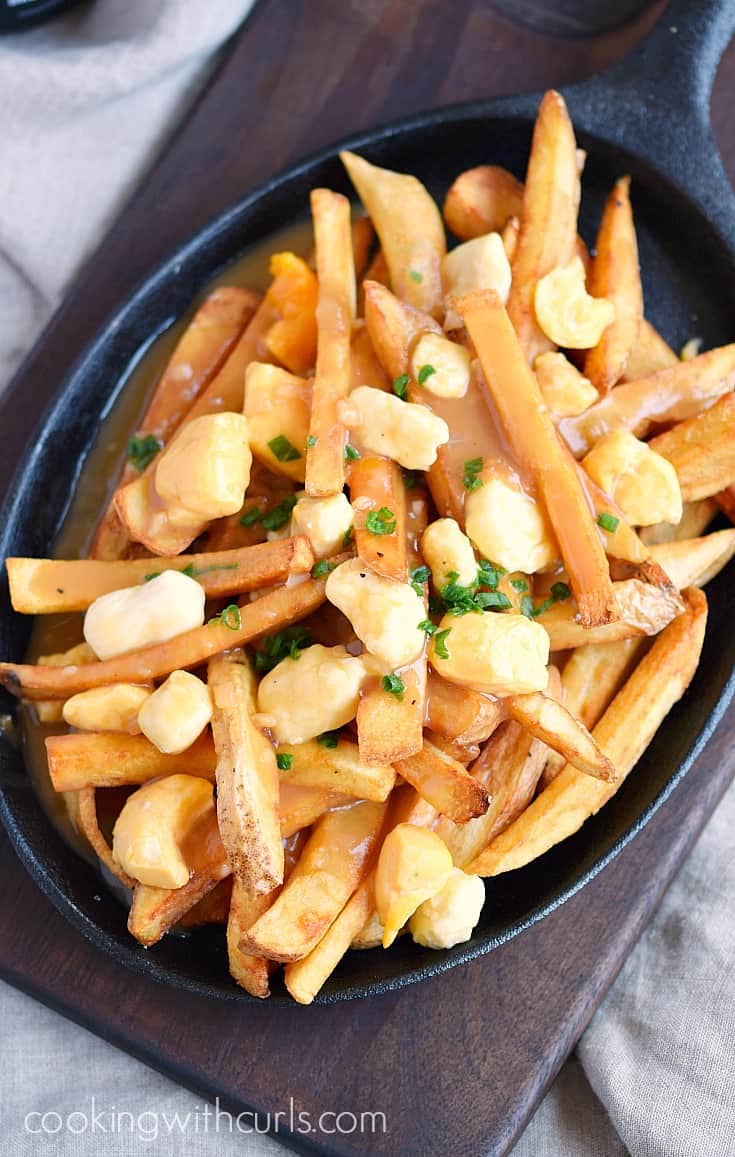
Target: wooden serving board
301,74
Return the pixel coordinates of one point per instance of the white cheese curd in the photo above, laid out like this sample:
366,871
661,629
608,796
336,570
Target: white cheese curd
316,692
113,708
324,521
503,654
481,263
154,823
507,526
566,391
449,916
408,433
449,362
447,551
205,471
644,484
177,713
153,612
385,614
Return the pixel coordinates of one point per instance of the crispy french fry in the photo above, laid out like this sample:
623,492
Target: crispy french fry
251,972
616,276
113,759
464,753
642,609
52,711
482,200
694,521
702,450
532,435
623,733
548,232
694,562
279,608
444,783
247,777
393,327
549,720
459,713
650,353
300,807
325,466
44,586
365,369
338,768
667,396
212,908
410,229
376,483
305,977
86,818
332,865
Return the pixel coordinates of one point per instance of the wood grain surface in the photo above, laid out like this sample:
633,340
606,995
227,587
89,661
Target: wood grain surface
458,1063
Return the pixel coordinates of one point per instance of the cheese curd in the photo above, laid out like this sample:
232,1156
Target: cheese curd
319,691
566,312
205,471
124,620
481,263
277,406
449,361
324,521
413,865
448,917
508,526
566,391
154,822
385,614
503,654
407,433
112,708
643,484
447,551
177,713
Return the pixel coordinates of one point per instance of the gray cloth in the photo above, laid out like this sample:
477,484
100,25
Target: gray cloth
85,104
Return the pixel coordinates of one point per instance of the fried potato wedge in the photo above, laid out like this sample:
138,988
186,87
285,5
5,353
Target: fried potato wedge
533,437
299,807
88,824
550,721
642,609
410,229
330,868
305,977
623,733
45,586
113,759
694,562
616,276
247,777
444,783
667,396
277,609
650,353
548,232
459,713
374,483
251,972
702,450
337,768
325,463
482,200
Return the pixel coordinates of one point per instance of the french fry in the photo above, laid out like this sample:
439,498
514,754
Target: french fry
251,972
305,977
278,608
642,609
394,326
375,483
459,713
330,868
52,711
325,466
338,769
444,783
533,437
464,753
694,562
481,200
694,521
667,396
299,807
212,908
650,353
510,237
86,818
247,777
548,231
702,450
550,721
292,300
87,759
623,733
410,229
44,586
362,234
616,276
365,369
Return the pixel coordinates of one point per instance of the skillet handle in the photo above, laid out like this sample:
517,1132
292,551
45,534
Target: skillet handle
656,102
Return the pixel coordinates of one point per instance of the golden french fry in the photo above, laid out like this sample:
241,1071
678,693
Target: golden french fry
337,768
112,759
532,435
616,276
623,733
44,586
642,609
459,713
548,231
702,450
325,466
550,721
650,353
410,229
667,396
247,777
482,200
375,483
332,865
444,783
305,977
393,327
299,807
86,819
694,562
362,234
212,908
389,728
277,609
52,711
694,521
251,972
464,753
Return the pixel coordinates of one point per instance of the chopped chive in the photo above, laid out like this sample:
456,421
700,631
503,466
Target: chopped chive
400,386
194,571
394,685
284,644
381,521
410,478
489,574
416,276
470,479
492,600
424,373
519,584
417,578
277,518
608,522
324,566
142,451
328,739
283,450
310,441
527,606
230,617
347,537
560,591
440,643
351,454
251,516
152,575
428,627
284,761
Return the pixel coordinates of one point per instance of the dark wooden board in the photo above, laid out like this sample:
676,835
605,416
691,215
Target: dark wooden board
459,1063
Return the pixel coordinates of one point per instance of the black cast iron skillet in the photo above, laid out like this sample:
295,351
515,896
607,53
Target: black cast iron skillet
648,116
